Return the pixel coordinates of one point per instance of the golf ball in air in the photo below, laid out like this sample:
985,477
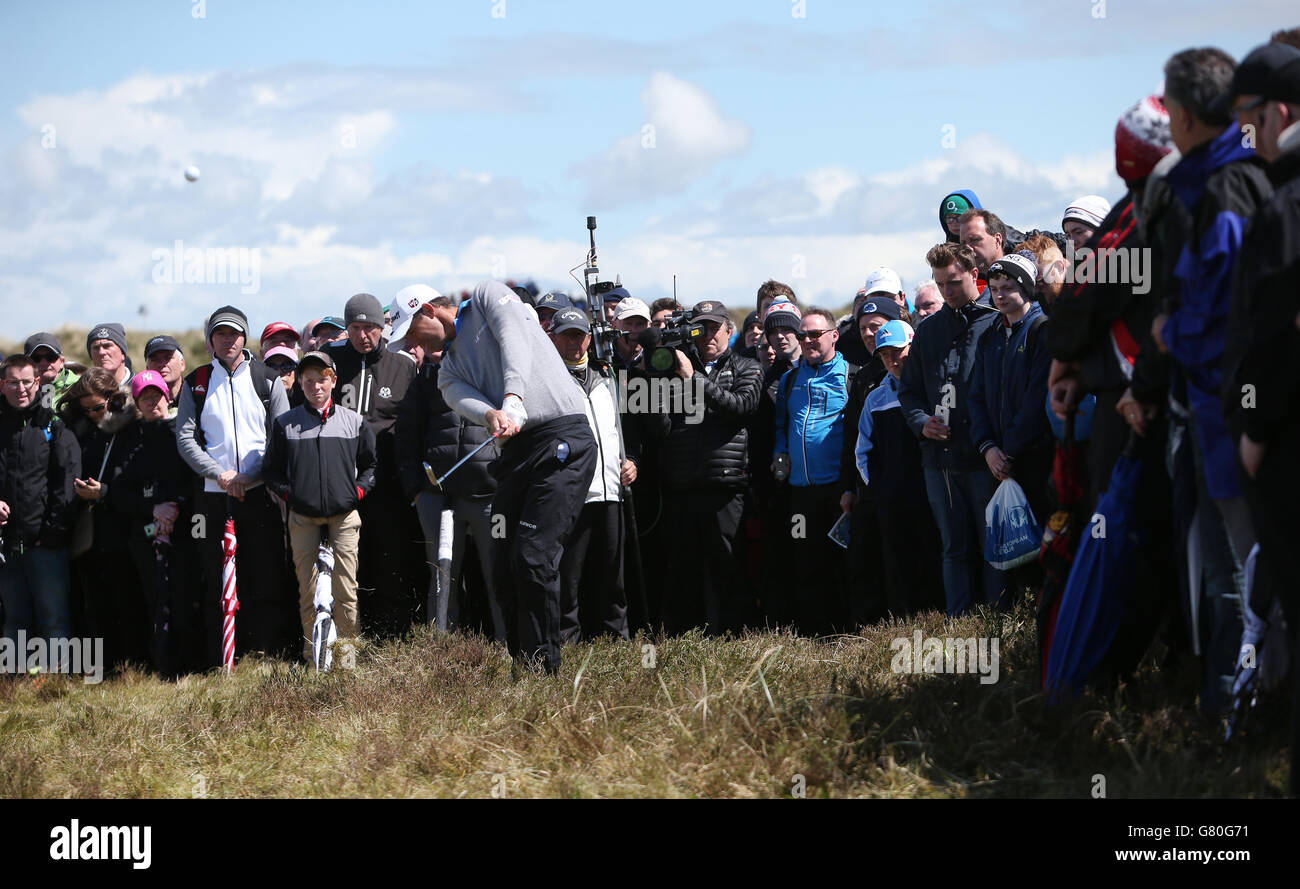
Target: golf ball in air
192,173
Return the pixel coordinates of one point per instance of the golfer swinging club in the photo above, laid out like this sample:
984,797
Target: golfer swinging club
501,371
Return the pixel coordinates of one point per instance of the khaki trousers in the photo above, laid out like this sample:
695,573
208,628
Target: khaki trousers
305,537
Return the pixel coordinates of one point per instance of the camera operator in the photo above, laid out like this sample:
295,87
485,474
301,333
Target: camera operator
703,472
500,370
631,316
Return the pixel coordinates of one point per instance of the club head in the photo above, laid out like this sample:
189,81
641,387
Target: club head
432,476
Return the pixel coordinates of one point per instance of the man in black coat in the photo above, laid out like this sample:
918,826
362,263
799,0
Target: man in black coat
39,459
703,458
372,380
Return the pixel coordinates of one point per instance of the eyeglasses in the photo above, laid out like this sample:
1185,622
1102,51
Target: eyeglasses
96,408
44,357
811,334
20,384
283,368
1251,106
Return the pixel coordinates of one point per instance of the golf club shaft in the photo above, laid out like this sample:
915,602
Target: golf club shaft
459,463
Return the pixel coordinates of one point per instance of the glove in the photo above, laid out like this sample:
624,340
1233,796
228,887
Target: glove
514,408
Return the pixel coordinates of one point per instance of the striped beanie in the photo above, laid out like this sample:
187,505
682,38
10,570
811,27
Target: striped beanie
1142,138
781,315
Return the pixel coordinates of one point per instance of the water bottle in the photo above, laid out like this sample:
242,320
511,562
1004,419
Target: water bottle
562,451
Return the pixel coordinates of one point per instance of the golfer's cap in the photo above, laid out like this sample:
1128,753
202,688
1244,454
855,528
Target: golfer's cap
279,327
328,321
615,295
569,319
42,340
406,305
895,333
631,307
317,357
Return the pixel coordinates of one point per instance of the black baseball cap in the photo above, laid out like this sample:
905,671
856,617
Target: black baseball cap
1258,75
159,343
316,357
569,319
880,304
42,340
710,310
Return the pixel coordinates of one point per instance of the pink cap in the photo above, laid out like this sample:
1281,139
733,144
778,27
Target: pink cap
281,352
146,378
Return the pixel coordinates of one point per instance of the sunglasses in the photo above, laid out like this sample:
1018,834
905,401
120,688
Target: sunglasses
811,334
44,357
96,408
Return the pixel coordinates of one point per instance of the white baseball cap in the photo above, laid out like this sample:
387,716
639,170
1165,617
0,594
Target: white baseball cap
631,307
884,280
407,302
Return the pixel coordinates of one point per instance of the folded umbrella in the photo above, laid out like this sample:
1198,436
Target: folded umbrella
229,597
323,632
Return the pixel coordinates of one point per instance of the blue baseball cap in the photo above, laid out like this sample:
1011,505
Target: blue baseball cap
894,333
554,300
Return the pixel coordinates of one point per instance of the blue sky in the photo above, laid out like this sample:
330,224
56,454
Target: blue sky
368,146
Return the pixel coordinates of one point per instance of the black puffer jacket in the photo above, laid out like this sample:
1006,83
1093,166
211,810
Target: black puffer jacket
714,452
762,427
39,458
374,385
427,430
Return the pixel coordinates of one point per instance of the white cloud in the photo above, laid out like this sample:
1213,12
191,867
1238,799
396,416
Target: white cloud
683,136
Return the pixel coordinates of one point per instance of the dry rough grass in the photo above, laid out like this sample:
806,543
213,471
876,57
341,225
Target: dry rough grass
439,715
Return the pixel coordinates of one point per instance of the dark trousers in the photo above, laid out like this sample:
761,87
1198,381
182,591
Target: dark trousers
172,619
818,561
267,619
391,573
115,604
912,558
592,597
776,585
702,564
540,490
866,589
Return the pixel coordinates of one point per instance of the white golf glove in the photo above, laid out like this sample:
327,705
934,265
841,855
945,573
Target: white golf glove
514,409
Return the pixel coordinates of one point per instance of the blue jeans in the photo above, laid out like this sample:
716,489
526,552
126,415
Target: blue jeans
34,589
957,499
1226,538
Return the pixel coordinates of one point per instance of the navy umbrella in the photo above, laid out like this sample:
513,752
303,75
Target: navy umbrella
1100,583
